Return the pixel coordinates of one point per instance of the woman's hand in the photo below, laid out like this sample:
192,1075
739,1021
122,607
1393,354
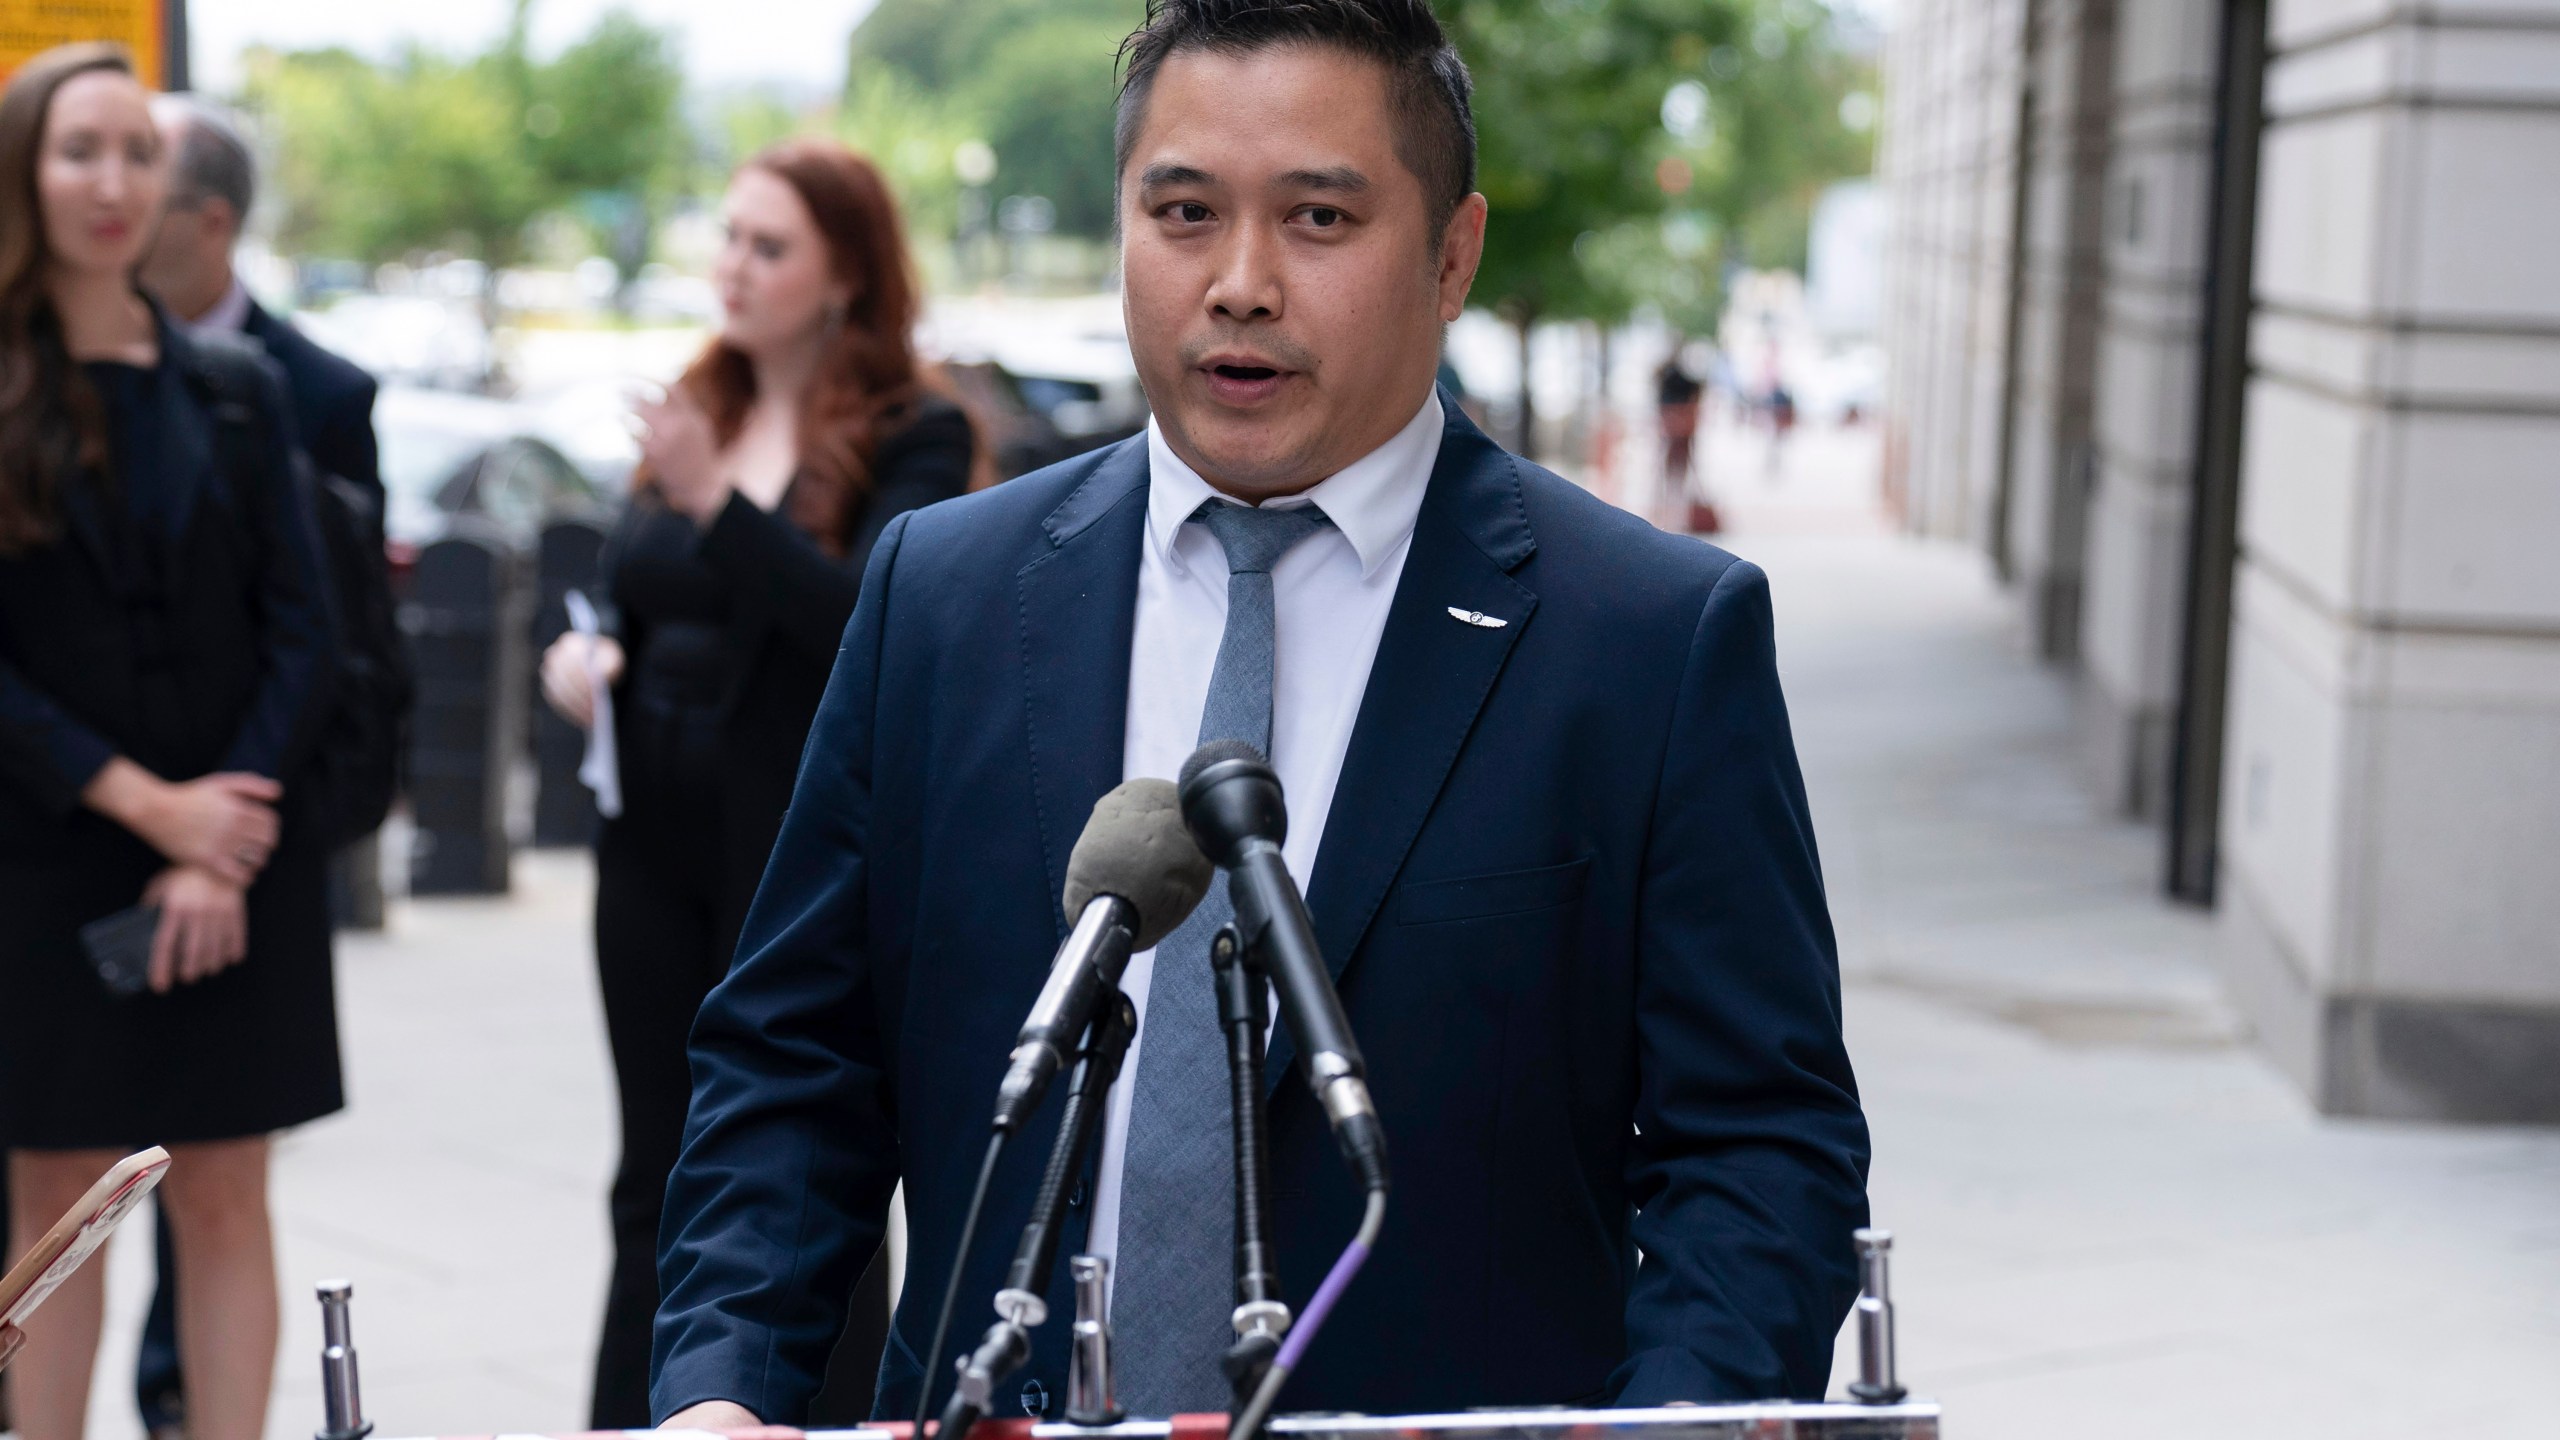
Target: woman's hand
683,458
566,670
223,824
204,926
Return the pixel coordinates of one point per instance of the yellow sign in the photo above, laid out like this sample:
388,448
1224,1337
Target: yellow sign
28,28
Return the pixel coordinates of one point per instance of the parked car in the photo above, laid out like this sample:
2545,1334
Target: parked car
1052,377
447,454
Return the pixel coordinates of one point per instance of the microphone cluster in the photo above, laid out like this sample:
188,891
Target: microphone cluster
1142,865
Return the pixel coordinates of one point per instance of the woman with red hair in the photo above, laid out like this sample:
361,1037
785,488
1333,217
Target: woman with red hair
767,473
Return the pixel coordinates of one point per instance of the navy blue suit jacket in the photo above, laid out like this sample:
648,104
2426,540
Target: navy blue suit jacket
1568,887
332,402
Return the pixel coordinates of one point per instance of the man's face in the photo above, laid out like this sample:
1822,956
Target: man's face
189,263
1283,282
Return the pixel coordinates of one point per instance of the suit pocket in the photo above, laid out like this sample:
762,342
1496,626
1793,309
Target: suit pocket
1482,897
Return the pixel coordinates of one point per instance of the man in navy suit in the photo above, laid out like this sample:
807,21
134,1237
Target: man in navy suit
1543,801
190,270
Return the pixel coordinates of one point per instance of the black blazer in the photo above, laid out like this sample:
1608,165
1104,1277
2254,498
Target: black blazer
789,605
221,671
332,402
1568,888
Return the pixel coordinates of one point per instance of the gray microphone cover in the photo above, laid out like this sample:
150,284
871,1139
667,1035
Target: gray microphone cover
1136,847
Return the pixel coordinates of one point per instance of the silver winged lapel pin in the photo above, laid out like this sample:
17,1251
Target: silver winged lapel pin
1477,618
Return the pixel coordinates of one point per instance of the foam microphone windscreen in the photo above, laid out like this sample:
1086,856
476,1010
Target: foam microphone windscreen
1136,847
1213,752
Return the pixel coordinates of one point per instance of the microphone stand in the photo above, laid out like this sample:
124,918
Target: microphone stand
1019,1306
1244,1013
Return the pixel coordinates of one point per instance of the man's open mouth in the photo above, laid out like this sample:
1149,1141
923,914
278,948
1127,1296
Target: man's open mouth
1243,372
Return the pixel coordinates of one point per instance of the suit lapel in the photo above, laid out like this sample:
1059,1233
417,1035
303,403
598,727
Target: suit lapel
1078,606
1429,681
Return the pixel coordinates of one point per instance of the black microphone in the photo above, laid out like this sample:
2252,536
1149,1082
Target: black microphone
1134,875
1231,800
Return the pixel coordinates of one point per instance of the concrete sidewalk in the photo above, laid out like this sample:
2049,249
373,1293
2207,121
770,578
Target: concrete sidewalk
2114,1218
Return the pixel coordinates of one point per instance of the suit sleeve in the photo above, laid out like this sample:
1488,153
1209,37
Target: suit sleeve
782,1190
44,751
345,446
1749,1164
804,595
296,628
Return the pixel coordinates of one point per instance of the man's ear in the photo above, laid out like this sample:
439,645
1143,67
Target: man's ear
1461,251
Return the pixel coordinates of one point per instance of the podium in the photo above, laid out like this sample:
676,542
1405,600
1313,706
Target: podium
1761,1420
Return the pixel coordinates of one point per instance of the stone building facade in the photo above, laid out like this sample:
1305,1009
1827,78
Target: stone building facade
2230,330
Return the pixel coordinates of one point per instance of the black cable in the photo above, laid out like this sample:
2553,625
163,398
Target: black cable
951,1291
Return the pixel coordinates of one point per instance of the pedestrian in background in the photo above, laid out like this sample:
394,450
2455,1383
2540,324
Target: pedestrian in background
212,187
164,648
766,474
1678,398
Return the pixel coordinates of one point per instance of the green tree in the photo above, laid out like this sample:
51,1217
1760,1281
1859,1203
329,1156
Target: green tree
432,152
379,162
604,131
1775,131
1035,79
1632,149
1568,110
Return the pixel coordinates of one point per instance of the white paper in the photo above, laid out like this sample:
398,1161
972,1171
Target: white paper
601,770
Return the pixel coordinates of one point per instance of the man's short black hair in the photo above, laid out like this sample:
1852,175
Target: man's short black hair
1427,84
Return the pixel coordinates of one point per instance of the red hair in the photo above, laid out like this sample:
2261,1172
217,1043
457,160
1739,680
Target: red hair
868,376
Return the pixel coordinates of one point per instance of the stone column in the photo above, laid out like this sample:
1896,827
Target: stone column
2159,203
1954,69
2391,816
2053,369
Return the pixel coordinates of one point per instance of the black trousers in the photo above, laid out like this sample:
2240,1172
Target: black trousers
665,934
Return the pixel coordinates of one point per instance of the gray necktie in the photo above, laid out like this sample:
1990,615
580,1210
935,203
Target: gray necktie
1175,1286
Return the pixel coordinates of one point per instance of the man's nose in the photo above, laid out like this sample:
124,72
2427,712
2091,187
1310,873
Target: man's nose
1246,284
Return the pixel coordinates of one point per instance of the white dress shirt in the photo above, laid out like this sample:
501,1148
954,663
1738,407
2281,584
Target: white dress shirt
229,315
1330,595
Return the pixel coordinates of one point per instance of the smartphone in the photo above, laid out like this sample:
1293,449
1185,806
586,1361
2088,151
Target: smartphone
79,1234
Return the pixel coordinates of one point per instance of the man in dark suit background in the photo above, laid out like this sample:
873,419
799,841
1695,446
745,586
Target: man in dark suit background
213,183
190,270
1543,801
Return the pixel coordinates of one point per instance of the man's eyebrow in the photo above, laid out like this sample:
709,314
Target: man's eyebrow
1163,174
1340,179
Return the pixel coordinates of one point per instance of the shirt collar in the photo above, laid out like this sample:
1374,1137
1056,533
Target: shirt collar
229,315
1373,500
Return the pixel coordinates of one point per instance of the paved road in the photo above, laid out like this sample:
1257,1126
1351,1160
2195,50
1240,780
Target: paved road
2116,1220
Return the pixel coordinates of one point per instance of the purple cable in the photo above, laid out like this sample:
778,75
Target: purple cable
1336,1281
1248,1425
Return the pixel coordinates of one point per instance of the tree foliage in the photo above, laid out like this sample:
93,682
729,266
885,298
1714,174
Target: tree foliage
431,152
1569,132
1034,79
1597,205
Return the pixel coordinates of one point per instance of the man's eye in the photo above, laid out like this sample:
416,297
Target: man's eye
1323,217
1189,212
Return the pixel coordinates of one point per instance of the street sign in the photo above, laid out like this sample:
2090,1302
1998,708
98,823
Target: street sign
28,28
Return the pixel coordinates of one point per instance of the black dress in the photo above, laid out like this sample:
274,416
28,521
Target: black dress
176,621
728,635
